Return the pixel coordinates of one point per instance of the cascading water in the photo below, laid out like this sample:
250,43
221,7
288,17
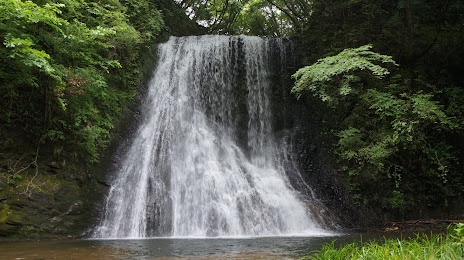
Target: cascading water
204,161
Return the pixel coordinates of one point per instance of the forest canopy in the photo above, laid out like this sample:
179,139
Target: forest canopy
252,17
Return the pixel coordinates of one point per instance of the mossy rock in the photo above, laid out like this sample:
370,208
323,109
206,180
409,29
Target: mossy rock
44,204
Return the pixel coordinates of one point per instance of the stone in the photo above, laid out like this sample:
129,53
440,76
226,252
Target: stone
103,183
53,165
76,208
7,229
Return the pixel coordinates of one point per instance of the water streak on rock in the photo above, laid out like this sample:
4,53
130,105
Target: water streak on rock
204,161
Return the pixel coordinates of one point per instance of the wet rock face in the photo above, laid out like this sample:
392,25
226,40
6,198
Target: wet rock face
304,131
43,215
300,123
76,208
316,171
45,201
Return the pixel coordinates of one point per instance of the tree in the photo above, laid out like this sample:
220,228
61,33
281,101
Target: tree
70,67
392,145
254,17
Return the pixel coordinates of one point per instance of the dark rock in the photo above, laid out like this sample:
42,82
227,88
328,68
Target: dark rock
79,182
13,223
103,183
36,201
76,208
8,230
17,156
52,171
3,185
56,219
64,197
53,165
299,124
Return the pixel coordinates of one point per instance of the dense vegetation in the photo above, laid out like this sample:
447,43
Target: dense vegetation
399,140
69,71
386,75
449,246
69,67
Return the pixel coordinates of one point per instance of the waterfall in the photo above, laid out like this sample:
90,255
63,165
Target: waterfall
204,161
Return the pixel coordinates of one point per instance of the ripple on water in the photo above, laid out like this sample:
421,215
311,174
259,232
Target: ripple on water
256,248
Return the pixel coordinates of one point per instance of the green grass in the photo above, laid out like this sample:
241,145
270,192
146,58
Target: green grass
440,246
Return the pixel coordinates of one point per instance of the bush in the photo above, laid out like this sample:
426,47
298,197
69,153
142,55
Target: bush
441,246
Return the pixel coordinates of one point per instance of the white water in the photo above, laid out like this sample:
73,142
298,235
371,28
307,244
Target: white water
204,162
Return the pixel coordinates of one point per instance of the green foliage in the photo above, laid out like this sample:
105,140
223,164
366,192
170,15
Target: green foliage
421,247
267,19
17,21
71,66
333,76
93,107
253,17
393,144
145,18
218,15
457,234
395,127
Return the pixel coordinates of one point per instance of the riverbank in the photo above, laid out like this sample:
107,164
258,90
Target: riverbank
422,246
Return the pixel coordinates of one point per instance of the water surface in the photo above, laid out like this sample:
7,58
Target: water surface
181,248
164,248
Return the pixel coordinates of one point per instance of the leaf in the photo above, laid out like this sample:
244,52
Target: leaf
334,76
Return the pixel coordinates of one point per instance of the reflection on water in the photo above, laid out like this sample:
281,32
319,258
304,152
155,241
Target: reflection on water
168,249
253,248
